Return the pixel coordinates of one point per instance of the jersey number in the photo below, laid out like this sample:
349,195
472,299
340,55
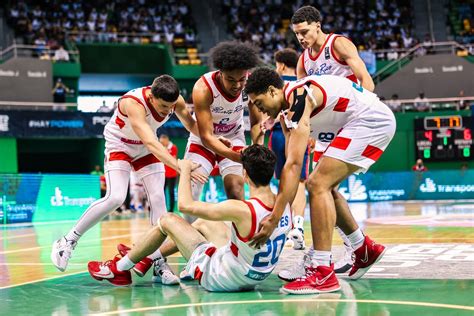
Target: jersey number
274,248
357,87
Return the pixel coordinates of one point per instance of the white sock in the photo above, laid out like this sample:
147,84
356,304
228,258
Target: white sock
72,235
156,255
321,258
346,240
356,239
298,221
125,264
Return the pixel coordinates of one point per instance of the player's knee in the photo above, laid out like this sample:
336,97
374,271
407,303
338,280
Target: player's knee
316,185
167,219
115,201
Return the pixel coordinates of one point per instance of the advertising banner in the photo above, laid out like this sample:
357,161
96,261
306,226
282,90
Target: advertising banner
45,198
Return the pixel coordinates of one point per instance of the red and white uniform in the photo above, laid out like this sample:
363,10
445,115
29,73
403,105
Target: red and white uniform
228,121
123,148
325,62
237,266
357,124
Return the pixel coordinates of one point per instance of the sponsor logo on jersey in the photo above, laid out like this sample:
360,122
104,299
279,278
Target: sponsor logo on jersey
327,55
223,128
323,69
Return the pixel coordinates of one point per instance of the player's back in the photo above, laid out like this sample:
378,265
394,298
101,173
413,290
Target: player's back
237,266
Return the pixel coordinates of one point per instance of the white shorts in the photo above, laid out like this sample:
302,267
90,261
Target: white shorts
123,156
196,152
361,142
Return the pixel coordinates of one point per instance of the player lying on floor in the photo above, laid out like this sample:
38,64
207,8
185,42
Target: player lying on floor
234,267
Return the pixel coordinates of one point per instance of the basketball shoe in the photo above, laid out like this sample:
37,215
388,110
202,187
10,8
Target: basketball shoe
163,274
297,270
142,267
317,280
185,276
345,263
61,252
297,236
108,271
365,257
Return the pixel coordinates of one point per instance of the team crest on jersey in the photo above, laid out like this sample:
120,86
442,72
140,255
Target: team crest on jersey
326,53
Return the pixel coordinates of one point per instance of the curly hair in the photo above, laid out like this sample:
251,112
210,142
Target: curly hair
288,57
306,14
166,88
260,79
232,55
259,163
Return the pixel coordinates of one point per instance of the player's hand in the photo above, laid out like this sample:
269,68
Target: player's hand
225,141
186,165
198,177
265,230
284,128
267,124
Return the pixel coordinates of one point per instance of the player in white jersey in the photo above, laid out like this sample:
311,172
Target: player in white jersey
233,267
131,142
328,54
365,128
219,104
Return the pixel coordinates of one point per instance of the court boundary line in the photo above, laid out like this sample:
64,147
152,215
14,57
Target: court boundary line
315,299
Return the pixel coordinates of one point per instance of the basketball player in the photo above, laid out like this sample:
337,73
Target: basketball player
286,61
327,54
312,105
234,267
131,142
219,104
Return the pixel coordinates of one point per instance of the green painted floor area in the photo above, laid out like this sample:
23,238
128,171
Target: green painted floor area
80,295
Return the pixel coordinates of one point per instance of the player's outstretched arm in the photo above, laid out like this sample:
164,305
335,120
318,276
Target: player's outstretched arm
300,72
230,210
256,133
347,52
202,99
185,117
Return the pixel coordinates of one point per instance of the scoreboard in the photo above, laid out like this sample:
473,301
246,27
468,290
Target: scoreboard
444,138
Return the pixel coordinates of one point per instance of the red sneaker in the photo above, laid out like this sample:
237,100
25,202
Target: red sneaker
317,280
108,271
142,267
365,257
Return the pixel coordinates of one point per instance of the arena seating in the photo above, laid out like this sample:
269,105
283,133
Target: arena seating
461,20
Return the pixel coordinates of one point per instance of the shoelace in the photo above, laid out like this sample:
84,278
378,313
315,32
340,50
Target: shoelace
307,273
106,264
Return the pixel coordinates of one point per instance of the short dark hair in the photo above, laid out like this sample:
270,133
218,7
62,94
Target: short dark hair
306,14
259,163
288,57
232,55
166,88
260,79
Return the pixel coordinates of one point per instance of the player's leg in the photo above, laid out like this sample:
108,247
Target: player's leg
346,225
117,178
168,225
328,174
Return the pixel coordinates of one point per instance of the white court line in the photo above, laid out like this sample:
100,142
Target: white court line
14,264
17,236
314,300
41,280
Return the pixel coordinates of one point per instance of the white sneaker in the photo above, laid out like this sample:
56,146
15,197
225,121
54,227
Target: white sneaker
296,271
345,263
61,252
163,274
297,236
185,276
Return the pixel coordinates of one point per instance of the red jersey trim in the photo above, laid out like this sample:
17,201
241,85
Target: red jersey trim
221,91
129,97
208,86
203,152
333,53
252,228
120,155
320,51
155,114
262,204
144,161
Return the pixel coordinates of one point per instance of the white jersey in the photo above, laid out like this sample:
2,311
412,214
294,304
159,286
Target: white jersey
343,101
119,128
326,62
237,266
227,114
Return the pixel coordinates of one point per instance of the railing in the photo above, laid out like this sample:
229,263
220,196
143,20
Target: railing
420,49
16,50
432,104
9,105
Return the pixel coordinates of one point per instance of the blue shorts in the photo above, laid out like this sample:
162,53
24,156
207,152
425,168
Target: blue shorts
277,145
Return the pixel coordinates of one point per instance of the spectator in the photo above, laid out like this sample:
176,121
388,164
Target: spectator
98,172
421,103
104,108
61,54
170,174
394,103
419,166
462,103
59,94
